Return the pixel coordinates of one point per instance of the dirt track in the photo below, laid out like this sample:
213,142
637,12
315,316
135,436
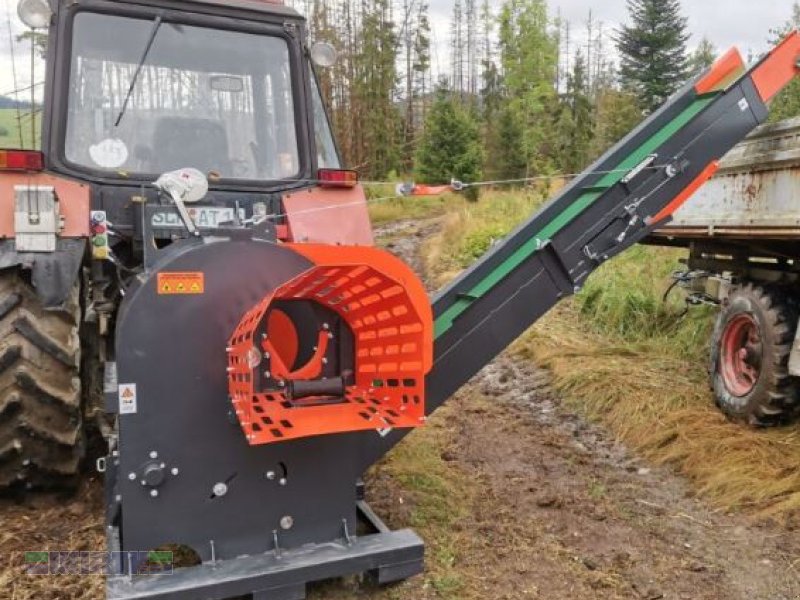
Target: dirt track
548,507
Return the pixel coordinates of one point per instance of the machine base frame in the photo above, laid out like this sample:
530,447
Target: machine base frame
386,557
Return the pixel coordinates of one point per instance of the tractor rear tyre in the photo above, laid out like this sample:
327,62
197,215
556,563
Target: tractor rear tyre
41,430
750,354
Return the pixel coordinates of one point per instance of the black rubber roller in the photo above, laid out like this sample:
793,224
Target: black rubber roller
318,387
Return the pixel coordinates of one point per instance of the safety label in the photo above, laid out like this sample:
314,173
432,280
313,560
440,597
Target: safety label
181,283
127,399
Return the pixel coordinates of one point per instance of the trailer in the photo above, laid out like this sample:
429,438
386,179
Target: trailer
742,230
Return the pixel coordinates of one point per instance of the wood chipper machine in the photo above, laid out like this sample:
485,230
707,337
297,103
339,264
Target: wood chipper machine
188,243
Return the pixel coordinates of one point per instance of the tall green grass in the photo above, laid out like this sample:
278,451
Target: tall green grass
625,300
385,209
621,355
471,228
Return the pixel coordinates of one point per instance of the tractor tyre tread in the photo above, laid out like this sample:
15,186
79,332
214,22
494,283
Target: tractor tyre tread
41,425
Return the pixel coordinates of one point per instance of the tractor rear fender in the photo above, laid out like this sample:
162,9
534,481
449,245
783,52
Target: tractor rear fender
310,213
53,272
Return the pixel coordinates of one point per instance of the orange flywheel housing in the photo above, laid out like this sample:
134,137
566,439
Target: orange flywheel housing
345,346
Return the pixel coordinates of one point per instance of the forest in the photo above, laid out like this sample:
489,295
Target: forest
521,93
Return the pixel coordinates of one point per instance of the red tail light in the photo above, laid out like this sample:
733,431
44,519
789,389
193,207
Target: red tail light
338,178
21,160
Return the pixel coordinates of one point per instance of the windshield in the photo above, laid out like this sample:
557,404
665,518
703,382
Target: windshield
220,101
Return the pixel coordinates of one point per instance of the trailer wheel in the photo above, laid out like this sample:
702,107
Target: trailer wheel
749,357
41,425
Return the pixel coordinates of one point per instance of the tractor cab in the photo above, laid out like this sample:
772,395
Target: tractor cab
136,89
139,88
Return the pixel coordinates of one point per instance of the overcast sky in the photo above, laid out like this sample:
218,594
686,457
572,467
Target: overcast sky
744,23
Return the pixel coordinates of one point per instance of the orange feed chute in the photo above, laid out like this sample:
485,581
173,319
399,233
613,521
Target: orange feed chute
385,328
778,68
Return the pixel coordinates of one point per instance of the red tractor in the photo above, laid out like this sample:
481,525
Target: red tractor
134,90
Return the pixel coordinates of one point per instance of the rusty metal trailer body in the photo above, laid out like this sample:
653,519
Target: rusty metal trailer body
754,194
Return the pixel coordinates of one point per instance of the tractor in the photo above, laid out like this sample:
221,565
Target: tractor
135,90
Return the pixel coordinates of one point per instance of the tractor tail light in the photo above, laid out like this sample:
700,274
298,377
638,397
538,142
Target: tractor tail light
21,160
337,178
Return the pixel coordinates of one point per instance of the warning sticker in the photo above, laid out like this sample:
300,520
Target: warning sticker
127,399
181,283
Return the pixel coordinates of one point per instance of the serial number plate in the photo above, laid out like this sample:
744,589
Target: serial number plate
209,217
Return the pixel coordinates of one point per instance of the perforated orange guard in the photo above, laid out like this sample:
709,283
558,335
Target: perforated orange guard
389,313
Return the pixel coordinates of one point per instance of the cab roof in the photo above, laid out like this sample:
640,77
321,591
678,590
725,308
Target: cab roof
274,7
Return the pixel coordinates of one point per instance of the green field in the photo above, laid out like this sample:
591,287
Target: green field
9,128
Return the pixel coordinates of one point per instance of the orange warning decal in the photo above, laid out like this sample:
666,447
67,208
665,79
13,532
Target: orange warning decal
181,283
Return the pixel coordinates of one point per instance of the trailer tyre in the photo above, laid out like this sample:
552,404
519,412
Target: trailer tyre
41,430
750,351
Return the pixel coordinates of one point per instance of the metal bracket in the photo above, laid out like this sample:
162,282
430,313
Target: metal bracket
37,218
389,556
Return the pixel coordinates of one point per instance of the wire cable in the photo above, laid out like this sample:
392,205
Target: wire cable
371,201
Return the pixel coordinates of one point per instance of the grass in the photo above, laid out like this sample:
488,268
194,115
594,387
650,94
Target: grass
383,212
471,228
10,126
415,486
439,495
385,207
622,356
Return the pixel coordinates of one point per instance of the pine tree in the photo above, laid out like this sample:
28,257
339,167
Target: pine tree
422,57
377,149
450,145
471,48
787,103
653,50
506,157
703,57
576,126
616,113
529,59
457,46
415,36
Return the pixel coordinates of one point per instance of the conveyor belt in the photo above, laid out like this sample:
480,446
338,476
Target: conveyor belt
620,199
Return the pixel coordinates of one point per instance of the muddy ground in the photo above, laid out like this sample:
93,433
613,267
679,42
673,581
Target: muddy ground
541,504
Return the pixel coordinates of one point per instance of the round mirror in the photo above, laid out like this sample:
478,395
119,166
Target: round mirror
34,13
323,54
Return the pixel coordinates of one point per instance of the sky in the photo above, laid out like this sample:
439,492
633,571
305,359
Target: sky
726,23
743,23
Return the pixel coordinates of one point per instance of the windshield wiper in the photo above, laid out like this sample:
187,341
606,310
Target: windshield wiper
150,40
